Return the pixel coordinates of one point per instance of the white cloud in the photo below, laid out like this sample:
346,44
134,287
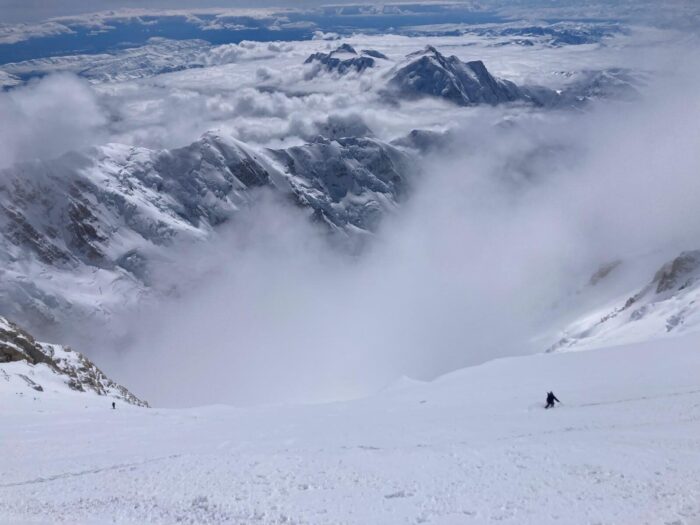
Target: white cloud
47,118
245,50
501,227
13,33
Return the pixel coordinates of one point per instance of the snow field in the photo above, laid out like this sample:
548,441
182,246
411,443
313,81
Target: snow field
475,446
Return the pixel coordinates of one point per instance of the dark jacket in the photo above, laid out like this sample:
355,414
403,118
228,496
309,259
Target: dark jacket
551,398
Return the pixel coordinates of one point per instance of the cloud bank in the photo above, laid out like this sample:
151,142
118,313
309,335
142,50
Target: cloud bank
504,225
507,221
47,118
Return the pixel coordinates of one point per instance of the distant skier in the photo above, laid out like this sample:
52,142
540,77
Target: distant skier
114,405
551,398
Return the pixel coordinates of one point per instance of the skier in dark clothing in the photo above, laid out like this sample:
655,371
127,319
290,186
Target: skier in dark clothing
114,405
551,398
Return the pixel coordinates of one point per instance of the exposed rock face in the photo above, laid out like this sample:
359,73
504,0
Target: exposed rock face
18,345
343,177
77,371
429,73
678,274
345,59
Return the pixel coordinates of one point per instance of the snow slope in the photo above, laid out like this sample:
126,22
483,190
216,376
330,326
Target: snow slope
475,446
666,305
30,369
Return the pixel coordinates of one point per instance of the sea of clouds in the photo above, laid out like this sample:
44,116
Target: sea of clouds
505,225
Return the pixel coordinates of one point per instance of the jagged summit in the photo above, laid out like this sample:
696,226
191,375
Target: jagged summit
430,73
345,48
28,366
345,58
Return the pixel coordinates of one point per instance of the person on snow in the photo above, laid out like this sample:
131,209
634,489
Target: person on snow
551,398
114,405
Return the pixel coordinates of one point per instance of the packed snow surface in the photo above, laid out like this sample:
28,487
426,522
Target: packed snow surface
475,446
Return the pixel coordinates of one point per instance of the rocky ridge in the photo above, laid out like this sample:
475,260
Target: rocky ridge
345,59
30,364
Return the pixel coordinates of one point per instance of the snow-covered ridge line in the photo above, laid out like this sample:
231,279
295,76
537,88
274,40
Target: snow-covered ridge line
81,230
667,305
31,367
346,58
429,73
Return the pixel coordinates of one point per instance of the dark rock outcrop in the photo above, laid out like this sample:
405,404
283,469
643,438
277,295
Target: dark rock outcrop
345,59
78,372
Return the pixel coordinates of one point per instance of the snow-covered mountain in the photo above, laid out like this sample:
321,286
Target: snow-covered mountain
345,59
614,83
430,73
29,368
77,233
667,305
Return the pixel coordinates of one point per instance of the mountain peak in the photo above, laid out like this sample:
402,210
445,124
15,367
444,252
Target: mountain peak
344,59
427,50
430,73
344,48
